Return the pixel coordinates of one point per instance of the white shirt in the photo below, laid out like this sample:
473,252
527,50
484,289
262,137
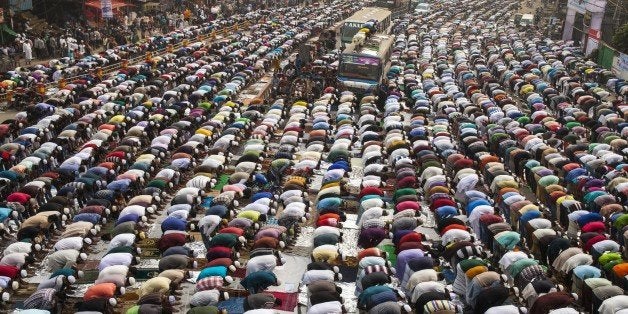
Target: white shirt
181,214
428,286
421,276
614,304
18,247
332,307
124,239
313,275
325,230
114,269
511,257
577,260
371,213
287,194
261,208
75,243
209,223
455,234
503,309
133,209
115,259
261,263
14,259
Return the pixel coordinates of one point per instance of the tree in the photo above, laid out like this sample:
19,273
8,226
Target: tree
620,39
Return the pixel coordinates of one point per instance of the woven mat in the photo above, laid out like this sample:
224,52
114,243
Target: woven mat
233,305
89,276
222,181
304,251
350,261
150,252
107,228
24,292
147,243
146,273
352,206
349,273
126,301
149,248
289,300
390,252
68,306
239,273
89,265
449,275
207,202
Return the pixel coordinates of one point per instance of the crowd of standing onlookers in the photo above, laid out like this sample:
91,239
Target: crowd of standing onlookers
77,37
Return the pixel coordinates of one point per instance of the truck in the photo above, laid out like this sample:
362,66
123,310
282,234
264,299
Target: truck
422,9
526,20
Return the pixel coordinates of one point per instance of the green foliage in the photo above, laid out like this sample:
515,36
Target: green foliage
620,39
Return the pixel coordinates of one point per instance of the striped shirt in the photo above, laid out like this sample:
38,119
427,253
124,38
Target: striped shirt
205,297
209,283
43,299
440,306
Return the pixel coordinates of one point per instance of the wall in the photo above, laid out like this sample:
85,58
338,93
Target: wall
591,8
620,66
611,59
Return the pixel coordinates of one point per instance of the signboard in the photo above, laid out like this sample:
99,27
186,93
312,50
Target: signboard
620,66
106,9
578,5
21,5
592,44
360,59
623,61
594,34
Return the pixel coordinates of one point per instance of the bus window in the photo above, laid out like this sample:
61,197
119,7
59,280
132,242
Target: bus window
360,69
348,31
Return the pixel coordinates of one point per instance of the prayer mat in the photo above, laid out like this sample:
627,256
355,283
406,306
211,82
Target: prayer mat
390,253
147,243
201,262
349,274
150,252
207,202
233,305
289,300
449,275
89,264
127,301
149,248
142,274
222,181
239,273
351,261
351,206
69,305
89,276
24,291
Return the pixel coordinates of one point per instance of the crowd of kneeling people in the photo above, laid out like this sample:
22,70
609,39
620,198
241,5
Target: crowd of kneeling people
119,152
468,122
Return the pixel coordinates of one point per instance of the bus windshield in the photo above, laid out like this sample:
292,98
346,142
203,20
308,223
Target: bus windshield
348,31
355,22
360,67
